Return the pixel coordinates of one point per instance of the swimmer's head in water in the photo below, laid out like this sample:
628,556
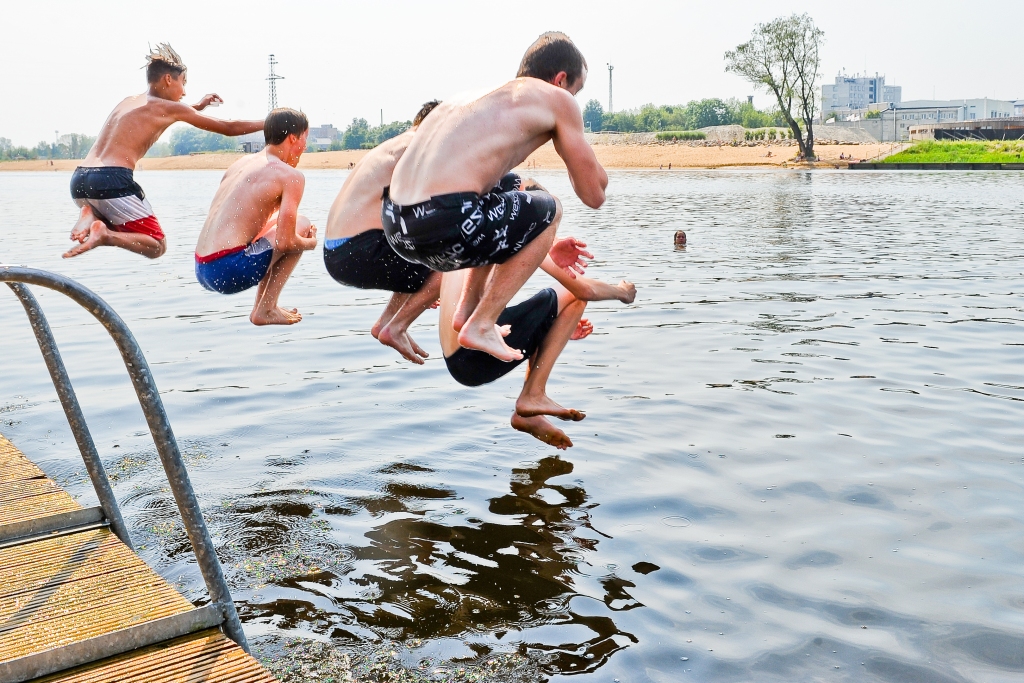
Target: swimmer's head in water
163,60
424,110
552,54
283,122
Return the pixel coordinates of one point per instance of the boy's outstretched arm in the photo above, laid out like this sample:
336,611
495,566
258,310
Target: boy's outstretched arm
589,289
287,239
191,115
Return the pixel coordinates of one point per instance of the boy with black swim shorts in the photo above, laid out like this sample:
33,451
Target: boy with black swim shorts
539,328
357,254
451,205
254,234
115,211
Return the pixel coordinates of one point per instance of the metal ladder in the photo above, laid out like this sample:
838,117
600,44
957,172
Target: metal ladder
221,609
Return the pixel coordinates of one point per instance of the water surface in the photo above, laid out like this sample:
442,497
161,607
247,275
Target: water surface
802,457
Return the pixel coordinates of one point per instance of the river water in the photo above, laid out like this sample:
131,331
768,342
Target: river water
801,460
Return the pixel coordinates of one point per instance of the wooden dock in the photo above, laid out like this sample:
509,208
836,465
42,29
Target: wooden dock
61,589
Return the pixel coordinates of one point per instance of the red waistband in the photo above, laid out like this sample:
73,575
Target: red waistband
219,254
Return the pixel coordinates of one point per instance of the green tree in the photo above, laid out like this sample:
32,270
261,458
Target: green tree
783,56
593,115
356,134
189,140
710,112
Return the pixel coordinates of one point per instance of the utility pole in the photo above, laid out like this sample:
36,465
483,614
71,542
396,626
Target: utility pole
610,67
273,78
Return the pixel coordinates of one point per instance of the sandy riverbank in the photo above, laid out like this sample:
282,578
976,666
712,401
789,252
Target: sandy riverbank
611,156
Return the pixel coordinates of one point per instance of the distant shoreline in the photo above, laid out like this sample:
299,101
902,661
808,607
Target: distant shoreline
614,156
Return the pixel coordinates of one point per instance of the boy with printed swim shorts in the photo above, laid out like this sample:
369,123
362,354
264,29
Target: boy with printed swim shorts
539,329
448,208
115,211
254,235
357,254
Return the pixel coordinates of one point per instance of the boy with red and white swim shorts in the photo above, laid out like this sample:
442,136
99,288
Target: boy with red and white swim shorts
115,211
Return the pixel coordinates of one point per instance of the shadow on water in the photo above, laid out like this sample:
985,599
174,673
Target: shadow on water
420,578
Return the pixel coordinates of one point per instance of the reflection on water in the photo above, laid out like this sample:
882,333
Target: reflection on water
801,459
423,576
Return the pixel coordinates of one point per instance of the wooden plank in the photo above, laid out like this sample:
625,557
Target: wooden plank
62,590
206,656
56,591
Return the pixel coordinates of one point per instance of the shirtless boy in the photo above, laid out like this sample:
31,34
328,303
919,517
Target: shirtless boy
357,254
115,211
540,328
254,234
446,210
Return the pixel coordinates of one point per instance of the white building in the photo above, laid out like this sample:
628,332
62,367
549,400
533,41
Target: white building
1018,108
252,142
858,92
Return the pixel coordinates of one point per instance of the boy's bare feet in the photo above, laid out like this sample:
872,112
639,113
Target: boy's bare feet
529,406
583,329
628,292
400,341
92,236
539,428
275,316
489,340
378,326
462,313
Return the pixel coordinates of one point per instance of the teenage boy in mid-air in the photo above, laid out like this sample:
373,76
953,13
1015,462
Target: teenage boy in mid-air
357,254
254,234
540,328
450,205
114,208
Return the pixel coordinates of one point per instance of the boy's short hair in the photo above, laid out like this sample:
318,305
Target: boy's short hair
551,53
163,60
424,110
283,122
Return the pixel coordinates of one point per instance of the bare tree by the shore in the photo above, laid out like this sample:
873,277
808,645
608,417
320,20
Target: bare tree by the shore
783,57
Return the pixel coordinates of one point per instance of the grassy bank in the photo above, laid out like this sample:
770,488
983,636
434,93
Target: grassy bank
957,152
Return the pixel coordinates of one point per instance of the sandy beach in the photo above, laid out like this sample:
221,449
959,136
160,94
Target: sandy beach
618,156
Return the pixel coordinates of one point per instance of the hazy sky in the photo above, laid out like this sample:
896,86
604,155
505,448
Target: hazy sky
66,64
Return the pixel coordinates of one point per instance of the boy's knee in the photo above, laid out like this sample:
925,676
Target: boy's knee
558,209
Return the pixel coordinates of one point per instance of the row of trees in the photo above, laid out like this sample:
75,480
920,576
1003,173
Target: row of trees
691,116
69,146
360,135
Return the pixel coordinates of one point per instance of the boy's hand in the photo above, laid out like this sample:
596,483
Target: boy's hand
568,253
212,98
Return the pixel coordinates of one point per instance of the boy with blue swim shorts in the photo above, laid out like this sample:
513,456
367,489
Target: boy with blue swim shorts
254,234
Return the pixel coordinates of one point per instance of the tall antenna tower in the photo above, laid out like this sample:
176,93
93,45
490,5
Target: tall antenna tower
273,78
610,67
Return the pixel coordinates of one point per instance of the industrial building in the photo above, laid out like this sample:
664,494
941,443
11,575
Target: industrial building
851,93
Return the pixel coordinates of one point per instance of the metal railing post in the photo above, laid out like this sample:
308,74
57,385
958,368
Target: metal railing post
68,399
159,426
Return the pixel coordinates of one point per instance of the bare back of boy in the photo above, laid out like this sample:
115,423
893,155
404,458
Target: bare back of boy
356,209
468,147
138,122
258,198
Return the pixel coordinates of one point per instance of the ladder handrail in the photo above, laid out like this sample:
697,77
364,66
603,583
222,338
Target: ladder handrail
156,417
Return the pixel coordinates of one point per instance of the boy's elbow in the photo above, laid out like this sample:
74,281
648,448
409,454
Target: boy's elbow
594,199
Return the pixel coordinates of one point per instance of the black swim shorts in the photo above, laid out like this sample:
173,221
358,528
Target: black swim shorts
366,261
531,321
465,229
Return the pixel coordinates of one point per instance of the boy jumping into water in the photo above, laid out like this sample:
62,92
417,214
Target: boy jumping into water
540,328
448,209
114,208
254,234
357,254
